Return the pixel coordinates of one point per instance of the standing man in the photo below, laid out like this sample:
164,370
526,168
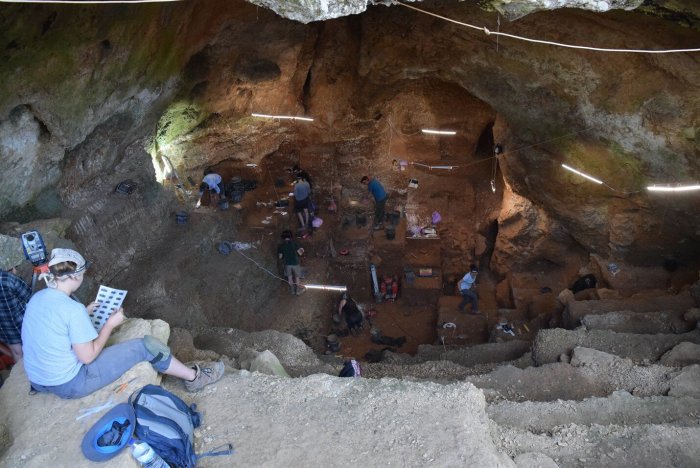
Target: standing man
302,193
377,190
14,295
467,287
299,172
213,183
289,252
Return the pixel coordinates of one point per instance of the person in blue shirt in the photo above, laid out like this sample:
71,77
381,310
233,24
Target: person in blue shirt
467,288
377,190
213,183
302,193
66,356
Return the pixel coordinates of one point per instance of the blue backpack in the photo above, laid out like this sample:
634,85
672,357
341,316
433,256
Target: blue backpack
167,424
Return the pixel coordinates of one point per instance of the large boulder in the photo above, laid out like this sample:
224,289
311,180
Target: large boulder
684,354
44,430
552,343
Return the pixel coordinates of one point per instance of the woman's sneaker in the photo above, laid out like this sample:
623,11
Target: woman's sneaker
206,374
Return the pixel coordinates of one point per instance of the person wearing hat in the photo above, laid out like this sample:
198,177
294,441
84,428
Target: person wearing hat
213,183
288,251
467,287
64,355
14,295
377,190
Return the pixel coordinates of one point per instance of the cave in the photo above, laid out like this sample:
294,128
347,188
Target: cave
539,164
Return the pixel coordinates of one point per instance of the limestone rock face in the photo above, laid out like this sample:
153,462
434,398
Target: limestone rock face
526,234
684,354
87,101
43,429
316,10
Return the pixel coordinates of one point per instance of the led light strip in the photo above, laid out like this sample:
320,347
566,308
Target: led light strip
592,179
680,188
449,168
326,287
288,117
438,132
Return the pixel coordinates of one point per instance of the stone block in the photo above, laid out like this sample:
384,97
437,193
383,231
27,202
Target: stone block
550,344
639,322
685,384
692,315
683,354
576,310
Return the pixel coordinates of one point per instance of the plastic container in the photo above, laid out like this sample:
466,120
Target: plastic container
181,217
147,457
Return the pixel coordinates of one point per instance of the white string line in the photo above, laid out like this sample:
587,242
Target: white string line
262,267
558,44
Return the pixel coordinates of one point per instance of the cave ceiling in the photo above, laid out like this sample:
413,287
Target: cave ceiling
84,89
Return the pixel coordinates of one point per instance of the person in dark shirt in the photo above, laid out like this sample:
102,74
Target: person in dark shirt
354,317
288,251
14,295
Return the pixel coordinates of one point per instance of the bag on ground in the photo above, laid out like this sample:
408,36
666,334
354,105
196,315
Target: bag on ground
167,424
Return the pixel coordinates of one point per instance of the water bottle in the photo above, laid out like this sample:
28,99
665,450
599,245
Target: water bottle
147,457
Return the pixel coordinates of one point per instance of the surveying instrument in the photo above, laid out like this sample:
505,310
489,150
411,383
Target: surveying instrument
35,251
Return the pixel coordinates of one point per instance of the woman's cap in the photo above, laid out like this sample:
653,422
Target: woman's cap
68,255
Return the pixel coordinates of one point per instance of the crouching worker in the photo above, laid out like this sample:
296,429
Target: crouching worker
214,184
354,317
64,355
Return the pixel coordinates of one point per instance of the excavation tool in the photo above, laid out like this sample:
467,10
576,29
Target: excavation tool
35,251
375,282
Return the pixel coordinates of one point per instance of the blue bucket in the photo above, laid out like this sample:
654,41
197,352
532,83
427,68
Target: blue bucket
181,217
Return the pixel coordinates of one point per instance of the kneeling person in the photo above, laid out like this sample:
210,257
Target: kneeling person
354,317
64,355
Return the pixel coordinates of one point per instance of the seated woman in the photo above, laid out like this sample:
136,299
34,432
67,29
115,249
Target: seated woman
64,355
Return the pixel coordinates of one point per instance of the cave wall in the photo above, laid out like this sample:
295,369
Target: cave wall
88,92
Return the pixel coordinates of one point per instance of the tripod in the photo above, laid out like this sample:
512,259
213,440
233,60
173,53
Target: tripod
38,270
